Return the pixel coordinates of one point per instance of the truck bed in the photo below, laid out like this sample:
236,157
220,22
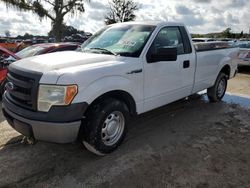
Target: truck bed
209,57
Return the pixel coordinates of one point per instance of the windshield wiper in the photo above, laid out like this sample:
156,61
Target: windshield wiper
104,50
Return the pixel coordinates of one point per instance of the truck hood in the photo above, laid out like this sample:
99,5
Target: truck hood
62,60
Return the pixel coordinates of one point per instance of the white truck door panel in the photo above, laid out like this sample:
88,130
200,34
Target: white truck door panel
167,81
187,74
161,83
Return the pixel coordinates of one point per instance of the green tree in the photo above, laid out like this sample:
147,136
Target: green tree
27,36
227,33
194,35
67,31
55,10
241,34
121,11
7,33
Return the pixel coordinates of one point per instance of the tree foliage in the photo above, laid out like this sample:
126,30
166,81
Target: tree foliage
7,33
55,10
67,31
121,11
27,36
227,33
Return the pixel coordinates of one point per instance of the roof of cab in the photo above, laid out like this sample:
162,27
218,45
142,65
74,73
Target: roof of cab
153,23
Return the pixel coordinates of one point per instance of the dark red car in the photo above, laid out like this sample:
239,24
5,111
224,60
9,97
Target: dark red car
7,57
5,53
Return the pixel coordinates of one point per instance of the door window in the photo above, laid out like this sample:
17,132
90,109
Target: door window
168,37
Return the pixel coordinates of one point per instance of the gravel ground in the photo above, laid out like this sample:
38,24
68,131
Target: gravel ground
190,143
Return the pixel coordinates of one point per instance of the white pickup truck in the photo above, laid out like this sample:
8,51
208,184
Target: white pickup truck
123,70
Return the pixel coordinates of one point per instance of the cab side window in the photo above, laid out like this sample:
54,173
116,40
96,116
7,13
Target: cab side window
166,38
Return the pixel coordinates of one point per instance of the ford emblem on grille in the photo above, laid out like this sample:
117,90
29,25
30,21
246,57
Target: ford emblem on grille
9,86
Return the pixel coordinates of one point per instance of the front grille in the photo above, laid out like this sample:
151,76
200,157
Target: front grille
22,87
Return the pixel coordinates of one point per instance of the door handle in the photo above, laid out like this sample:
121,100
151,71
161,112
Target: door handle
186,64
135,71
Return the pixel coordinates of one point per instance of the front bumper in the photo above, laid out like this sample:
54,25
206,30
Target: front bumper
56,128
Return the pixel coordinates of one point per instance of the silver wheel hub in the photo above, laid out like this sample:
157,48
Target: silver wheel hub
221,88
112,128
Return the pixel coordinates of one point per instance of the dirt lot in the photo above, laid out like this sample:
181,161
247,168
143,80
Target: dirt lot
191,143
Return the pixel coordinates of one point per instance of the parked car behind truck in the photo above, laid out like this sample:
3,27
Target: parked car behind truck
5,53
33,50
244,54
123,70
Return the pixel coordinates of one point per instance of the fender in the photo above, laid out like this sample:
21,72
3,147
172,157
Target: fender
225,61
228,60
110,83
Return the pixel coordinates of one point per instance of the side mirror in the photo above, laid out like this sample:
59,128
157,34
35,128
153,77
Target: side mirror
163,54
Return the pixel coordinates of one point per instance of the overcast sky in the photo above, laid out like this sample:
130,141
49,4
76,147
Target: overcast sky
201,16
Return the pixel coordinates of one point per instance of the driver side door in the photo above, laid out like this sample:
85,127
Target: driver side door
163,81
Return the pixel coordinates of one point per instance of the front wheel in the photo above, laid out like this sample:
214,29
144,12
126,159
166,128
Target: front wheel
2,86
217,92
105,126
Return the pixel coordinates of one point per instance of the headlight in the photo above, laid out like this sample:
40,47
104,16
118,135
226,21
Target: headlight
50,95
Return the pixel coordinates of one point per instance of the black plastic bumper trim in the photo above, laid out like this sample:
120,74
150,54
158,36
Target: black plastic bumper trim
23,128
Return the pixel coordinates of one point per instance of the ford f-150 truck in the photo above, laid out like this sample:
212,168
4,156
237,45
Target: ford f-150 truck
123,70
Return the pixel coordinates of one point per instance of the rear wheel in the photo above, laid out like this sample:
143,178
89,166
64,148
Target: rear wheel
105,126
217,92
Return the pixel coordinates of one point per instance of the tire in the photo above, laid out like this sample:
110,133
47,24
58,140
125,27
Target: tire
217,92
2,87
105,126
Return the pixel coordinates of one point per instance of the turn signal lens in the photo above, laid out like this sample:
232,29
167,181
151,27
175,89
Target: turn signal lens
71,92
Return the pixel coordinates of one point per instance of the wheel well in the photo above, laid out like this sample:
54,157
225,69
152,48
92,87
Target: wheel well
226,70
119,95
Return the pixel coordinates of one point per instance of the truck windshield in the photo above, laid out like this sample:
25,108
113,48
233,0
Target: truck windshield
124,40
